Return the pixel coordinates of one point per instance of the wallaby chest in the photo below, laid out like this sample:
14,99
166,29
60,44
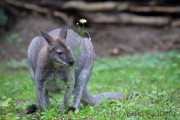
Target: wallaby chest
57,79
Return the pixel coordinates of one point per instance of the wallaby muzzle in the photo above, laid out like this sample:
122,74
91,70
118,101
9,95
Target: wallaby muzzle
71,62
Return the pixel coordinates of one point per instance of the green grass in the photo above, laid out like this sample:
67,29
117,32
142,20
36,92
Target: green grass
155,76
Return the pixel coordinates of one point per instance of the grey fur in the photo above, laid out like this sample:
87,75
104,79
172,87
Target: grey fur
45,71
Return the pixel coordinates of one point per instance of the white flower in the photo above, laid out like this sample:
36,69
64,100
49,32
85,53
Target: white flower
82,21
89,38
77,23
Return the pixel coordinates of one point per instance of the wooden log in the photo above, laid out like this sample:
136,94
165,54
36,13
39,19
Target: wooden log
175,23
175,9
39,9
126,48
126,18
52,3
27,6
66,19
96,6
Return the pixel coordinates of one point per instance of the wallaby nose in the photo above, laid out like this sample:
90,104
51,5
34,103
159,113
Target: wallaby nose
71,62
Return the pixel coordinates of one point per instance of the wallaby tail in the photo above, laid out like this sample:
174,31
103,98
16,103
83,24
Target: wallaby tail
87,98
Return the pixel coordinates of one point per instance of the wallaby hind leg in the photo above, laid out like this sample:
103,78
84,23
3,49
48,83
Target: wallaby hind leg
32,71
34,107
40,85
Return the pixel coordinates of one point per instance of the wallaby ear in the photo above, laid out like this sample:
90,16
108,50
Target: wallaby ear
47,37
63,33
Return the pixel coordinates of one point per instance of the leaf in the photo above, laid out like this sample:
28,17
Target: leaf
15,117
7,102
152,96
76,111
19,40
14,36
12,63
9,40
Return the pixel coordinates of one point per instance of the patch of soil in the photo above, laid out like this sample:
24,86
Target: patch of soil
108,41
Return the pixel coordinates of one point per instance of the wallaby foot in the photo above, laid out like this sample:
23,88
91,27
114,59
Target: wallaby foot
71,109
31,109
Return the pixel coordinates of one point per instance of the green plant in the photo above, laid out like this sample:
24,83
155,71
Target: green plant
6,103
160,77
80,31
17,64
13,37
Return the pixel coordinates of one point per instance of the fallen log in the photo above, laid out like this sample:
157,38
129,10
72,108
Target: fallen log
39,9
163,9
96,6
27,6
175,23
68,20
126,18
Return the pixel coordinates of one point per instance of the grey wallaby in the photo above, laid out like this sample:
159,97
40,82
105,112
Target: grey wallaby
51,59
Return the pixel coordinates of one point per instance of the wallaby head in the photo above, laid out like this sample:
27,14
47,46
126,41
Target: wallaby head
58,50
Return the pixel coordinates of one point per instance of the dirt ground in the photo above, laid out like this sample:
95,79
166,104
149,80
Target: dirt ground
108,40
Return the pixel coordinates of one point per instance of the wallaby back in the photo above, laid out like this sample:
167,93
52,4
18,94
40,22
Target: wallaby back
33,51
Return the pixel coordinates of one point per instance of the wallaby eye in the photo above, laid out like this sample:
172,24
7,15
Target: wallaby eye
59,52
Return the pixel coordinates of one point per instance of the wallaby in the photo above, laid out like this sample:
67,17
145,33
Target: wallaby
51,59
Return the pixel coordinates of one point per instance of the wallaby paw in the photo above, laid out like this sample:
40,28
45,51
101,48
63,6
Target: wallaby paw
31,109
71,109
